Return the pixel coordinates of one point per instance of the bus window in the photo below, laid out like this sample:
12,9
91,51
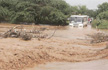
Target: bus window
79,19
73,19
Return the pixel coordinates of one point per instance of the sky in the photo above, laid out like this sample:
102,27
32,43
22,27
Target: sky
91,4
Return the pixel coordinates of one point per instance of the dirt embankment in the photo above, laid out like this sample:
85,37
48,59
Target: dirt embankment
67,45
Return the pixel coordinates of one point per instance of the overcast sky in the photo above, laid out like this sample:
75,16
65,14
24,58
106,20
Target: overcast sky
91,4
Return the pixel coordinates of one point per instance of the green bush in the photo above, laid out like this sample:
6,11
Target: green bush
35,11
103,15
94,23
101,24
53,12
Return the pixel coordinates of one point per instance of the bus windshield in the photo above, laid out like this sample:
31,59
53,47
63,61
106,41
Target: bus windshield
79,19
76,19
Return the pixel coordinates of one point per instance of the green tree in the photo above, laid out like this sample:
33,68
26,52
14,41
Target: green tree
103,15
53,12
103,7
92,13
82,9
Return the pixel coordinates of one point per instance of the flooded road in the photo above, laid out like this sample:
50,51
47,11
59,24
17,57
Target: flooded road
60,52
91,65
75,34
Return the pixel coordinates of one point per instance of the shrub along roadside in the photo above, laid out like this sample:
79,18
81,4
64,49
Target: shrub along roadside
100,24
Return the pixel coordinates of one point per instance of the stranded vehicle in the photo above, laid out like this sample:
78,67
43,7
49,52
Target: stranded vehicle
78,20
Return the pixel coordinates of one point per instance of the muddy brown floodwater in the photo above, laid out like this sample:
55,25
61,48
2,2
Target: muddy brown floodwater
75,33
91,65
69,49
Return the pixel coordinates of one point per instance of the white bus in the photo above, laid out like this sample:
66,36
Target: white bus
78,20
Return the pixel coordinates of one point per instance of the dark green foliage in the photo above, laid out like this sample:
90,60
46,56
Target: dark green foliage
102,12
53,12
103,7
92,13
102,16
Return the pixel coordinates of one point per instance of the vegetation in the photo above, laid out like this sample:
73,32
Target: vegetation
53,12
34,11
101,21
100,24
99,37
